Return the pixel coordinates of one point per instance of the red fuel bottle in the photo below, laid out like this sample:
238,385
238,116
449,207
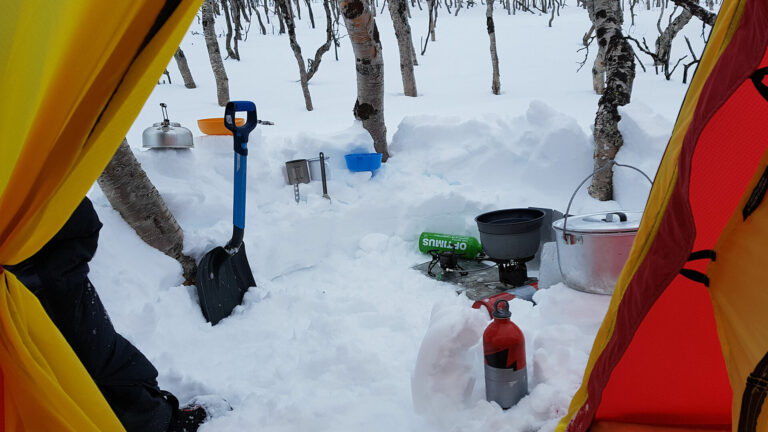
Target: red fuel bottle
506,379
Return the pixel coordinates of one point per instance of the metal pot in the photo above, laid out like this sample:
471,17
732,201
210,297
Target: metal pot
315,173
593,248
167,134
511,233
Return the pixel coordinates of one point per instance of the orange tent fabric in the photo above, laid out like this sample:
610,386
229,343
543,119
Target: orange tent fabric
75,75
673,352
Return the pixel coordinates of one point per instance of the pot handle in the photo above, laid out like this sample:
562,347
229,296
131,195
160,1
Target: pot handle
608,165
622,216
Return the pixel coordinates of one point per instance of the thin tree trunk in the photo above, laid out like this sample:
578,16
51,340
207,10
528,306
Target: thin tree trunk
228,19
598,68
364,36
298,8
398,11
699,12
222,82
132,194
286,11
279,17
496,83
664,41
311,15
429,27
186,74
410,39
432,21
315,63
587,35
238,26
620,74
261,24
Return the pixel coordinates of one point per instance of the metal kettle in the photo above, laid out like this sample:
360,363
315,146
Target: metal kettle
167,134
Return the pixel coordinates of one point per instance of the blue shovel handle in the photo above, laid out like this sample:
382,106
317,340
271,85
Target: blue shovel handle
240,135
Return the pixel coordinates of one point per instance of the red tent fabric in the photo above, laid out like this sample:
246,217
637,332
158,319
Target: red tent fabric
658,359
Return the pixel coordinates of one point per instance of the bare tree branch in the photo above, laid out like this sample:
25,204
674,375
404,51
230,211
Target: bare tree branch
697,11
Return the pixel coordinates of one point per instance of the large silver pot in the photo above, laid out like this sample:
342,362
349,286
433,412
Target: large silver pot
593,248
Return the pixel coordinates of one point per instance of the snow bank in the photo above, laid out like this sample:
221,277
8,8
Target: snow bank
334,334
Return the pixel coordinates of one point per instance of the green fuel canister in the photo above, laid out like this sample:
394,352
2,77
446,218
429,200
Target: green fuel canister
464,246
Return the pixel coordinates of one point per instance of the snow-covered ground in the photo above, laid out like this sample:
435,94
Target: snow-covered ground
340,334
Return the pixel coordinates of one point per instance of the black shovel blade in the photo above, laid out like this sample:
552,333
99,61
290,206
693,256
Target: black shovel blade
222,280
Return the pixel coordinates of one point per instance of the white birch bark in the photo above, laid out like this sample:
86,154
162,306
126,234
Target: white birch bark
132,194
369,63
620,74
186,74
496,82
598,67
664,41
222,82
398,9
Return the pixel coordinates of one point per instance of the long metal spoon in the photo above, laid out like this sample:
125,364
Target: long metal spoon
322,174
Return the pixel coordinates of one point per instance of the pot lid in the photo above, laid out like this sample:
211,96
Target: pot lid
603,222
160,129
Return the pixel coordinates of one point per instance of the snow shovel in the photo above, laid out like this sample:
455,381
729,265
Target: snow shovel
224,275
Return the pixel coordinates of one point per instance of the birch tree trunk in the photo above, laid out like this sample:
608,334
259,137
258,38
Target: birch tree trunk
132,194
222,82
280,18
315,63
364,36
620,74
664,41
699,12
228,19
238,26
186,74
598,67
398,9
496,83
285,10
311,14
598,72
261,23
433,22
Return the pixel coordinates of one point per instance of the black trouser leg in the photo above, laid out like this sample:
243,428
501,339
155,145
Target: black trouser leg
125,377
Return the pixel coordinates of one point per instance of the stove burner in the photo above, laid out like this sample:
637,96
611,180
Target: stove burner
448,260
513,272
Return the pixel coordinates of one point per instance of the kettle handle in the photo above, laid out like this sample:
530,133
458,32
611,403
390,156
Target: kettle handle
608,165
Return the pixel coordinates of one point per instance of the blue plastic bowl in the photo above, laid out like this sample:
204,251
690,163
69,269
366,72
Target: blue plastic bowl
363,161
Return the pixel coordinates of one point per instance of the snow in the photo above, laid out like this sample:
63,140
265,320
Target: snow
340,334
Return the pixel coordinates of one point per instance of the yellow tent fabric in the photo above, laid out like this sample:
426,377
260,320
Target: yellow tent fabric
736,285
75,75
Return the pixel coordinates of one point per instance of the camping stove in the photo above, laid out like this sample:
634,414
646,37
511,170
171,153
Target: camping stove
513,271
449,263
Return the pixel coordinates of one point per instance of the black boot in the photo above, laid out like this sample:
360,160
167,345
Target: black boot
187,418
